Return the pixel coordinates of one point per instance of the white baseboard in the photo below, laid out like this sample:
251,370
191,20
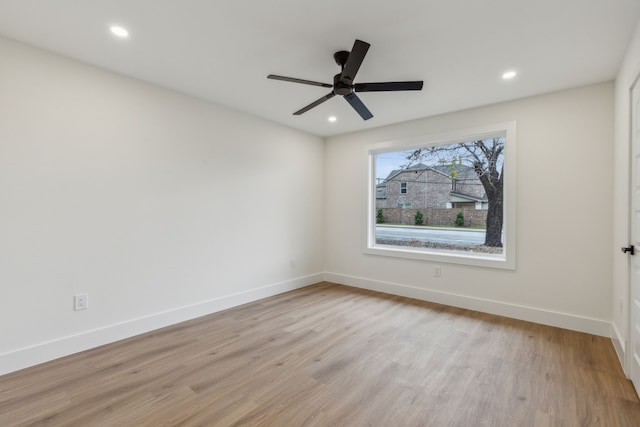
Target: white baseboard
46,351
530,314
619,345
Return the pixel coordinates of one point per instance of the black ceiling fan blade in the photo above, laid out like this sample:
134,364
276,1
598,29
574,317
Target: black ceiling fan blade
387,86
314,104
356,56
294,80
357,105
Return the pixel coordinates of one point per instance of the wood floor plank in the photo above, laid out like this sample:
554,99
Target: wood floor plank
330,355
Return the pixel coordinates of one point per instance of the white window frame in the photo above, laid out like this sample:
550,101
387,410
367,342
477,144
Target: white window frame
506,260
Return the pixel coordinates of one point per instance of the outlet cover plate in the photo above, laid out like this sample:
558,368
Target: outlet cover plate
81,302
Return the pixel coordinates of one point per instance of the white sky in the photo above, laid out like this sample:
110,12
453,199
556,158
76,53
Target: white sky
386,162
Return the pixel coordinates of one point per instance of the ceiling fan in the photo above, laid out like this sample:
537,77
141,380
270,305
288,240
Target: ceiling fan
343,82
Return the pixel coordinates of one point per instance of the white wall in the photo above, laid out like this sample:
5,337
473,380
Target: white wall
160,206
629,72
564,214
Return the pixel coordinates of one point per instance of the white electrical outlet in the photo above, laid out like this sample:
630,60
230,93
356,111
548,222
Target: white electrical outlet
437,271
81,302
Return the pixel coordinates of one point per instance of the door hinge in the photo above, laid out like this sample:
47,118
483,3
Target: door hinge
628,250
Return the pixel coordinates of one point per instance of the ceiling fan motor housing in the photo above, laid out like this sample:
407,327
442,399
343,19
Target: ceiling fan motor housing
340,88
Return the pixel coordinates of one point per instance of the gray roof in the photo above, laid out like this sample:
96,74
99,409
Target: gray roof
463,172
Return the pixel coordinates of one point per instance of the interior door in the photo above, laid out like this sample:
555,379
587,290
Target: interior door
634,333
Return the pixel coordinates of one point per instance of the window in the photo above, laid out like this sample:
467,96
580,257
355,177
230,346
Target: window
462,190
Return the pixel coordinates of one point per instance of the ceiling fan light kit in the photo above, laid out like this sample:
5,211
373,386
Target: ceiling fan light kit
343,85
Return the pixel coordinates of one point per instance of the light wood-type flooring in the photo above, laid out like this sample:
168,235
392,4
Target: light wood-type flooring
330,355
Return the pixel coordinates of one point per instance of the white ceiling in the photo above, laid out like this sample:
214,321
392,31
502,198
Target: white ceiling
222,50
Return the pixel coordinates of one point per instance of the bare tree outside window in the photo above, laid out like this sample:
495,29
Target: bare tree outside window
486,159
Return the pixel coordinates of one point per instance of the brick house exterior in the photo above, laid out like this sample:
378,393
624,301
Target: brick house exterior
437,187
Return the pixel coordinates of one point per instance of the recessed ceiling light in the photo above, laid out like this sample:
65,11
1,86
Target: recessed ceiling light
509,75
119,31
332,119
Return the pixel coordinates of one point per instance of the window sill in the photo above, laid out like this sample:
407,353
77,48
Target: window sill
444,256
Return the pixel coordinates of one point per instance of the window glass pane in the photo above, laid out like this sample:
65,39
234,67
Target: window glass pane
443,197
